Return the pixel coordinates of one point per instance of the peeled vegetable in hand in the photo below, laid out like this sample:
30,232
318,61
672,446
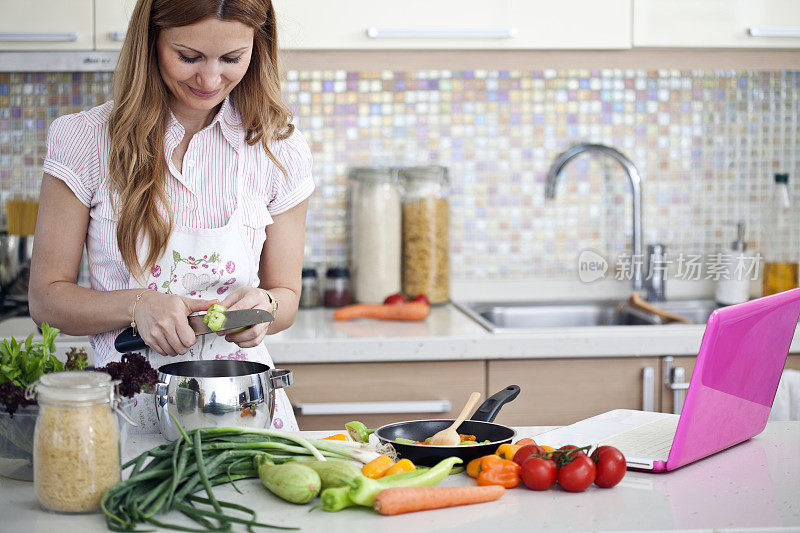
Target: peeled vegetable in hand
215,317
294,482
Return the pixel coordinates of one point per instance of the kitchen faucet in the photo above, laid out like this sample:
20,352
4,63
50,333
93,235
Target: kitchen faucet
636,190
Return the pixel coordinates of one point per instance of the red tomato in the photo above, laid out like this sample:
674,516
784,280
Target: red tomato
611,466
538,473
396,298
561,451
421,298
525,452
577,475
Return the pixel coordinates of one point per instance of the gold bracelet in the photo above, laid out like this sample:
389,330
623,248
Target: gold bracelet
274,303
133,312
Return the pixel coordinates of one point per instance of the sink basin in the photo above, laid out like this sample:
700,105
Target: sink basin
513,317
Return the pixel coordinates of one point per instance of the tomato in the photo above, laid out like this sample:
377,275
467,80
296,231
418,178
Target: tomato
523,442
421,298
525,452
561,451
538,473
611,466
577,475
396,298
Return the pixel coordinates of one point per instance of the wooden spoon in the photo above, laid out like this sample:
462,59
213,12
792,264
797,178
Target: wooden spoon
449,437
637,301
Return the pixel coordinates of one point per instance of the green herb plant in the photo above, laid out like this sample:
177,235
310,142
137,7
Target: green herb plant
22,363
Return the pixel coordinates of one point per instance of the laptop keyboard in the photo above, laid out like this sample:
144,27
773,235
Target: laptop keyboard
650,440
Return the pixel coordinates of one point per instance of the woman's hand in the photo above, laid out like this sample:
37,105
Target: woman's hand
161,321
248,298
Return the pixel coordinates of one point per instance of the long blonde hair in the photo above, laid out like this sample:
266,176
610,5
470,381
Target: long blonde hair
138,121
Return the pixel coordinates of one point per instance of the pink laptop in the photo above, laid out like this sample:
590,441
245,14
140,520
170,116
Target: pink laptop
729,398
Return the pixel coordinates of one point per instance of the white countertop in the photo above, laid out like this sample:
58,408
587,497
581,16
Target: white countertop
754,486
447,334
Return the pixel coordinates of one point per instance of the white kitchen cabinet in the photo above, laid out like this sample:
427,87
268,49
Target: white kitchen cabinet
111,22
452,24
716,23
46,25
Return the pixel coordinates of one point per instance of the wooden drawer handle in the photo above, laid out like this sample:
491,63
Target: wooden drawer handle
360,408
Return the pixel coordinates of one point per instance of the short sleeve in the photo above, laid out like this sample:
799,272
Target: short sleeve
72,155
297,184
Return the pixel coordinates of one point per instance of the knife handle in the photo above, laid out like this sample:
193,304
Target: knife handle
128,341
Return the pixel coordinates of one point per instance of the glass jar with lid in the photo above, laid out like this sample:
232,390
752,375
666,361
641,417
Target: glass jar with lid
76,451
309,293
337,287
376,233
426,228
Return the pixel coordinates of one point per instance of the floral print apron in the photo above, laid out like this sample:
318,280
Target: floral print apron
209,263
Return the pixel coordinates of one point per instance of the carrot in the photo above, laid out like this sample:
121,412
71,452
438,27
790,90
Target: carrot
398,500
401,311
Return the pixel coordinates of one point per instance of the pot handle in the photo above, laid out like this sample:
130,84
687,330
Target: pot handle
488,410
280,378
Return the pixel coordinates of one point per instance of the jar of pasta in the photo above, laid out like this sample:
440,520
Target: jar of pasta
426,227
76,453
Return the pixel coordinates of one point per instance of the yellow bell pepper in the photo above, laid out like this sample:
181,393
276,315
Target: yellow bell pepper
403,465
507,451
377,467
474,467
338,436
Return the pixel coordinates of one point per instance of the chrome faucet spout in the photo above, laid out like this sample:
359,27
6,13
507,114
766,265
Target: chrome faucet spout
636,193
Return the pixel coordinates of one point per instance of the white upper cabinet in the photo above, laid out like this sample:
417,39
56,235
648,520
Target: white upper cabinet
716,23
454,24
111,22
46,25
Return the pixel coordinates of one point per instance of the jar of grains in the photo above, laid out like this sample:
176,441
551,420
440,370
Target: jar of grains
426,259
376,233
76,455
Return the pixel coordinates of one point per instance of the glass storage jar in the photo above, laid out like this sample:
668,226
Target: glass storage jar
426,227
337,287
376,218
76,450
309,293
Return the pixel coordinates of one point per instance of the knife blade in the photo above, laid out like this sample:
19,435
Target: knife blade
127,341
233,320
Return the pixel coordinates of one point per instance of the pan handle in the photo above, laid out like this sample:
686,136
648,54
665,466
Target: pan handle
488,410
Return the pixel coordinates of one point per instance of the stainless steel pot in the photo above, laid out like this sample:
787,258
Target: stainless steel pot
15,262
216,393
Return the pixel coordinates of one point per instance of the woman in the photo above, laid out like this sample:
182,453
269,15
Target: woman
190,188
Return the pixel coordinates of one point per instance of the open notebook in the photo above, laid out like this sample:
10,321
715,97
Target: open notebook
733,385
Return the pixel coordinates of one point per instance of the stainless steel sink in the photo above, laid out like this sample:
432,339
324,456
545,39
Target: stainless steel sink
513,317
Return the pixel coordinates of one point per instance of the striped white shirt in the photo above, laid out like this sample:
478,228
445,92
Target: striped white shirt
203,195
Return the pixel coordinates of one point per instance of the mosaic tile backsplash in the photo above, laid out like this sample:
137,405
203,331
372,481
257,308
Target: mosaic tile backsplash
707,144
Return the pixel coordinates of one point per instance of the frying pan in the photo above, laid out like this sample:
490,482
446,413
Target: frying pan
480,425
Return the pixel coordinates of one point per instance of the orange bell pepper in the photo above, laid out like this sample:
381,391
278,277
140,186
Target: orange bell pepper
403,465
338,436
507,451
474,467
495,470
377,467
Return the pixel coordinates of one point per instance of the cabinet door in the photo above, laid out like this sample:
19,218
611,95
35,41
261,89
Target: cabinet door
451,24
46,25
381,393
716,23
111,22
563,391
668,396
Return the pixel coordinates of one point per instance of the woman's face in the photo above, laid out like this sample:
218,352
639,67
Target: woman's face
202,63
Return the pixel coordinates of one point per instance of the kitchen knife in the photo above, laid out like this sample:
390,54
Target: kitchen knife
128,342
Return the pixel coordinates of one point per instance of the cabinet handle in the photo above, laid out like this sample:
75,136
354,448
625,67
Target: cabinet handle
351,408
39,36
774,31
117,36
674,379
441,33
648,389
